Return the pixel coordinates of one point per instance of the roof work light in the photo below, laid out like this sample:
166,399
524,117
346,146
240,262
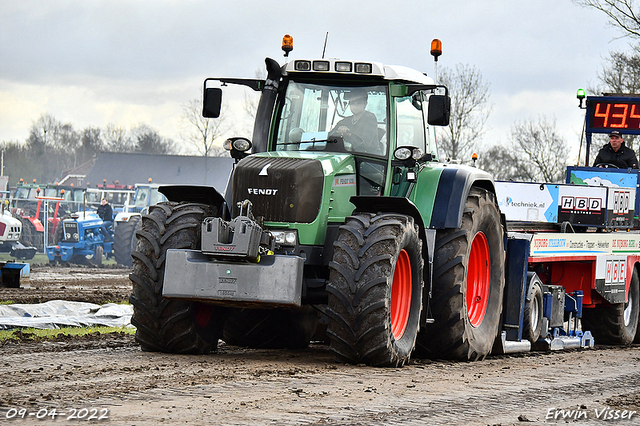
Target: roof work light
436,48
287,44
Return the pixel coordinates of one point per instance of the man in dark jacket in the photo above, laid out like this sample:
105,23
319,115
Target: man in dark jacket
616,153
361,128
106,214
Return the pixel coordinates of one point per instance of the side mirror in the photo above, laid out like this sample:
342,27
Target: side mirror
212,102
439,110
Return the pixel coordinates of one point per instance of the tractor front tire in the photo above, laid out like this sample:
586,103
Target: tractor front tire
170,325
468,284
124,240
97,257
615,324
375,290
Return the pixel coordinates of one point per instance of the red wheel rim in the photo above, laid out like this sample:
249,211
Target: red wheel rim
478,279
401,295
204,313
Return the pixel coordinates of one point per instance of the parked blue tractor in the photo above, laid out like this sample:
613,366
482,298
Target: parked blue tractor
84,240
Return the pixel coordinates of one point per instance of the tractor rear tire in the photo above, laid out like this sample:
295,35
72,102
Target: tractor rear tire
375,290
270,328
533,309
29,235
170,325
468,284
124,240
615,324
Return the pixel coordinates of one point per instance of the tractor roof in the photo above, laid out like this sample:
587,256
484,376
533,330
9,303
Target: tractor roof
358,69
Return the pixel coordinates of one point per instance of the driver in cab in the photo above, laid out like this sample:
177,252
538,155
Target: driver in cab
361,128
615,153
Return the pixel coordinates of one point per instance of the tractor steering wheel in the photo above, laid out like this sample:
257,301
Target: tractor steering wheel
607,165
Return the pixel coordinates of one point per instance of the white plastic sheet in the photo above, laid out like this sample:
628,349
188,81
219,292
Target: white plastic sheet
61,313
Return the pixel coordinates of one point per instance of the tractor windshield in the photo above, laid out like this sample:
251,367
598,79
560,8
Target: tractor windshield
333,118
22,193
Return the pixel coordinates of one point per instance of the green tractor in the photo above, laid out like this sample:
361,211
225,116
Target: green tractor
339,224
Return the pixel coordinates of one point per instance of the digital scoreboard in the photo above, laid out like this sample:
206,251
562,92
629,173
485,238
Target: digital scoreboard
608,113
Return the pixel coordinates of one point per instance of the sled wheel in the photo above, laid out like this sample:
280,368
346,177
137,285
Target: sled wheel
533,309
615,324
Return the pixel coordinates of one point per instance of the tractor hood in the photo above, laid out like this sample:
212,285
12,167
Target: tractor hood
290,187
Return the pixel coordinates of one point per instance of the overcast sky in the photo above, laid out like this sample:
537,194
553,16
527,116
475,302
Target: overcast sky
127,62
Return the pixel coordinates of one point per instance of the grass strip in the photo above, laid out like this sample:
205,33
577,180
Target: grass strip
36,334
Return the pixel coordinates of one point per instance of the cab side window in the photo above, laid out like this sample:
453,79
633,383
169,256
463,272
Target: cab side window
410,123
429,131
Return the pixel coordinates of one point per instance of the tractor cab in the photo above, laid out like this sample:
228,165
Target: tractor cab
377,121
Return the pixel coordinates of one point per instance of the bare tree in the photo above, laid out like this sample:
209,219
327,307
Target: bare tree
116,139
90,144
51,147
504,164
545,151
621,14
250,102
621,74
202,132
536,153
470,109
47,132
148,141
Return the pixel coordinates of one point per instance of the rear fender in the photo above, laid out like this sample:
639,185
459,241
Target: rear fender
451,196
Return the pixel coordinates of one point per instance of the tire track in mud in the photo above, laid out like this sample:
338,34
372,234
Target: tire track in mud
280,387
365,396
238,386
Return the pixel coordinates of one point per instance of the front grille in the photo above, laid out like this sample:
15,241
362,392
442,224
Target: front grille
281,189
70,232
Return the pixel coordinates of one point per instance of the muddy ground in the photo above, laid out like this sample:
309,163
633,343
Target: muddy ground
78,284
108,379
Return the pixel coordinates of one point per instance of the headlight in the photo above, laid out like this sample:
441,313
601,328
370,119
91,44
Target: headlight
239,144
404,153
290,237
417,153
287,238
